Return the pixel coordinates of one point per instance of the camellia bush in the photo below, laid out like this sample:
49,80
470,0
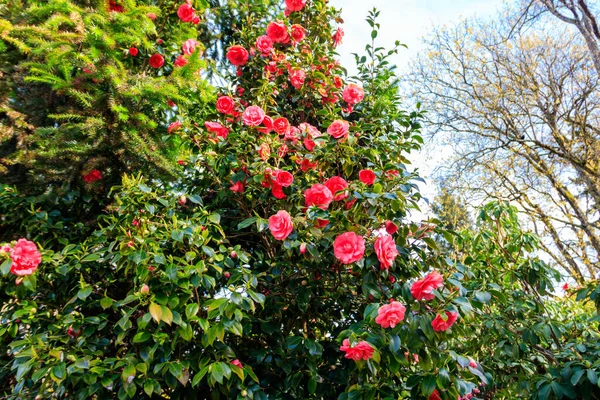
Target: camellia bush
278,262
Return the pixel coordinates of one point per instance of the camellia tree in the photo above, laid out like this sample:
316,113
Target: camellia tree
280,261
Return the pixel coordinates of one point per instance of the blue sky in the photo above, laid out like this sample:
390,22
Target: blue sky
407,21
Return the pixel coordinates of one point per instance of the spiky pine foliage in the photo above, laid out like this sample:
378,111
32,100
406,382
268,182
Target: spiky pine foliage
72,98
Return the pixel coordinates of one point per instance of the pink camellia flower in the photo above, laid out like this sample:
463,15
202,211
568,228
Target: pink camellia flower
283,150
156,61
421,289
237,363
253,116
186,12
338,128
390,227
277,190
281,125
353,94
302,248
189,46
133,51
390,315
238,187
151,15
297,77
25,258
237,55
281,225
284,178
216,128
264,44
6,248
338,36
180,61
349,247
386,251
337,185
438,323
278,32
361,351
295,5
92,176
145,289
367,176
318,195
174,126
226,105
292,134
472,363
298,32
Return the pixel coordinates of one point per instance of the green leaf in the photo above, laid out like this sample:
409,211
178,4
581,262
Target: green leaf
293,341
149,388
106,302
199,375
312,385
191,310
428,385
592,376
91,257
246,223
141,337
5,267
167,315
577,376
144,188
128,372
84,292
483,297
156,312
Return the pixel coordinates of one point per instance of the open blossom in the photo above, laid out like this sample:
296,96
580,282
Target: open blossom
281,225
226,105
253,116
367,176
264,44
318,195
298,32
25,258
284,178
186,12
386,251
421,289
174,126
237,363
361,351
216,128
189,46
156,61
338,36
92,176
238,186
390,315
438,323
277,190
295,5
237,55
297,77
277,31
353,94
390,227
133,51
338,128
281,125
349,247
180,61
337,185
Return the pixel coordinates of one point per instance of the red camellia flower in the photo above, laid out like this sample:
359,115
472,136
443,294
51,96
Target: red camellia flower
114,6
390,315
92,176
226,105
565,287
309,144
338,128
173,126
298,32
180,61
189,46
238,186
264,44
338,36
337,185
237,55
25,258
196,20
349,247
338,82
237,363
295,5
438,323
353,94
306,165
133,51
297,77
186,12
253,116
281,125
435,395
421,290
367,176
277,190
151,15
318,195
361,351
284,178
386,251
321,223
216,128
157,61
280,225
390,227
277,32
